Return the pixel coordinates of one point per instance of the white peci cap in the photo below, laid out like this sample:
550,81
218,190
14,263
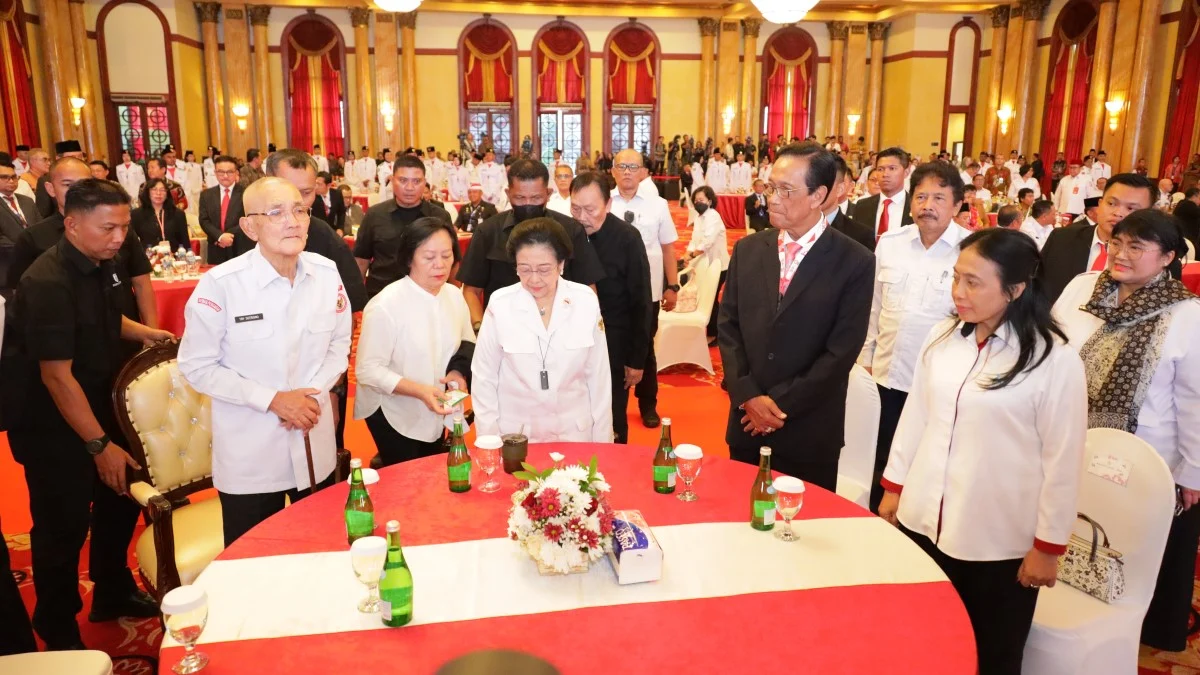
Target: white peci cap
488,442
184,599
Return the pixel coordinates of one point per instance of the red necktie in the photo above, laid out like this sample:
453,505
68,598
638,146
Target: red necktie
224,206
883,219
17,210
791,249
1101,260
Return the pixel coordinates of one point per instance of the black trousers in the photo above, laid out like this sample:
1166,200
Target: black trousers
891,404
16,636
240,513
66,500
339,432
1000,608
647,390
1166,623
393,446
819,473
617,356
712,318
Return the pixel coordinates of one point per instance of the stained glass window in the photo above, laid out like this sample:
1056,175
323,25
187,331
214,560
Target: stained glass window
145,129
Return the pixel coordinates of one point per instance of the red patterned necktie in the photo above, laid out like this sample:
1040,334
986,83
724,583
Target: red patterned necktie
224,206
883,219
791,249
1101,261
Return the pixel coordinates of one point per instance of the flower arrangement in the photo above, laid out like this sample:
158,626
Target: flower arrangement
561,518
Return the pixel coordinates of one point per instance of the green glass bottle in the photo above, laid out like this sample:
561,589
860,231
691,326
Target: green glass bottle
762,495
360,512
664,461
458,460
396,587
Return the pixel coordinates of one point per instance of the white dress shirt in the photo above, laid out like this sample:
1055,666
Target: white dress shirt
250,334
437,175
20,166
983,194
739,177
717,177
1014,167
990,474
646,188
458,180
1072,190
515,347
697,176
383,175
708,237
1038,232
210,172
764,174
1169,418
408,333
132,178
1101,170
492,177
559,203
652,218
912,293
322,162
24,189
895,210
1019,184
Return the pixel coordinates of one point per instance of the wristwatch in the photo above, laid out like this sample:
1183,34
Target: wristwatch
97,445
673,287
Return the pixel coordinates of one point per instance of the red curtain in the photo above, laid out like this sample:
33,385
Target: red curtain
790,61
1186,77
1077,117
16,94
1052,121
315,83
489,58
631,61
561,65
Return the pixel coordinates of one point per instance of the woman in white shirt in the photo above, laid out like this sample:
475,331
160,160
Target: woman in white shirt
1025,180
541,363
984,468
1136,329
416,339
709,240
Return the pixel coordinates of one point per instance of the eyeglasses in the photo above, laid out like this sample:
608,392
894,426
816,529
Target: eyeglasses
628,168
280,216
221,172
1133,251
11,176
540,272
771,189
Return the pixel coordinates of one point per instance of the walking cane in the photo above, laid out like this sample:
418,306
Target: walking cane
312,477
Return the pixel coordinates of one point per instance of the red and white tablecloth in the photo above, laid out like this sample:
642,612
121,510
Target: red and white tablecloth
853,596
733,210
1191,277
171,297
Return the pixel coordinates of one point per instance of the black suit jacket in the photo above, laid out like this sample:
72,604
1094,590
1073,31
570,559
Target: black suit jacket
144,223
1064,256
797,349
864,211
854,229
210,221
1189,219
756,215
467,215
11,226
46,205
335,215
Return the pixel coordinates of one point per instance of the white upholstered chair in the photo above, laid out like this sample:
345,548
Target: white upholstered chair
856,466
683,336
83,662
1074,633
1191,252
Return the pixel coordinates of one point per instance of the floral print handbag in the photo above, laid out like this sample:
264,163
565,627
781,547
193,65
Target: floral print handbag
1092,566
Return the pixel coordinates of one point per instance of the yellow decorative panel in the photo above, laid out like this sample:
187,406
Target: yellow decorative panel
437,102
679,100
1037,103
820,114
37,64
1160,93
190,100
524,102
979,105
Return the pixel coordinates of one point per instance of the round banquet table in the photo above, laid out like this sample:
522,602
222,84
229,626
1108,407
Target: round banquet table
860,596
171,297
733,210
1191,277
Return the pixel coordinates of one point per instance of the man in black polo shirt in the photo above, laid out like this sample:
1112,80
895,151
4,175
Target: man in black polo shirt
486,268
39,238
64,353
624,292
377,246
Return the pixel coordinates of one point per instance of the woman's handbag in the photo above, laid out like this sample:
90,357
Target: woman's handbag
1091,566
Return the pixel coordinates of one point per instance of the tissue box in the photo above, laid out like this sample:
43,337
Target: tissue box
636,556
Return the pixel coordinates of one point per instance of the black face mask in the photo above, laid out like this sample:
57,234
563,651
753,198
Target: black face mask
701,208
528,212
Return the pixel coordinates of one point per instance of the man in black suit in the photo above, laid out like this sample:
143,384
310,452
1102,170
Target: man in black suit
474,212
790,330
221,212
892,207
1188,213
756,208
833,210
329,205
1080,247
17,212
46,204
1091,206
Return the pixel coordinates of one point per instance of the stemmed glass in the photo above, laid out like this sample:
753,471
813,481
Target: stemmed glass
487,455
185,612
687,463
367,556
789,497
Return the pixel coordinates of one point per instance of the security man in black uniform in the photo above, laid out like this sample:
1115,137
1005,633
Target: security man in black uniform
624,292
59,367
486,266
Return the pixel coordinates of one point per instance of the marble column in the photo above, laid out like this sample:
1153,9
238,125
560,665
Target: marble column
238,79
728,80
93,138
55,58
364,115
263,108
839,32
878,33
1136,122
854,99
999,41
750,114
1033,11
1097,115
210,13
708,31
408,73
387,77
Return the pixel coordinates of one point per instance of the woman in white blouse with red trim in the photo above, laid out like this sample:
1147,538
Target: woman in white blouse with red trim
984,468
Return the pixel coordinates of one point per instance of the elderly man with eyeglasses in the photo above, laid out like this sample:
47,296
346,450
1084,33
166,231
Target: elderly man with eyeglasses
267,337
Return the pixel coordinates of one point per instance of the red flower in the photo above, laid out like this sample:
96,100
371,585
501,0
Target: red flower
529,501
589,539
548,503
606,523
553,532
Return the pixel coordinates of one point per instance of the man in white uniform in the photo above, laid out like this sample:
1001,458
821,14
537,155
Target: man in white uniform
740,175
267,337
383,174
1101,168
560,195
458,180
1073,188
1013,165
494,179
437,168
322,160
717,175
21,161
1040,221
131,176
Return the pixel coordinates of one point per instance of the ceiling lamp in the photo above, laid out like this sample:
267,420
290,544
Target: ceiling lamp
784,11
398,6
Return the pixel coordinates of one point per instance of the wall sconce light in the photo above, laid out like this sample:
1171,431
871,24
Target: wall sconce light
1114,112
77,104
240,112
853,120
1005,114
389,116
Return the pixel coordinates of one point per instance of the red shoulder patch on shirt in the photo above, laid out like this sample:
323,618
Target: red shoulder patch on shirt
208,303
342,303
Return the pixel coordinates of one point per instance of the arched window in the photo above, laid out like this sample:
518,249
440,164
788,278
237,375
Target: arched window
560,57
632,59
20,122
138,87
487,58
314,64
1071,48
789,83
962,72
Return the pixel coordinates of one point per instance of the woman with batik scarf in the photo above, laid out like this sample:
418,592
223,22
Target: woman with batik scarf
1135,328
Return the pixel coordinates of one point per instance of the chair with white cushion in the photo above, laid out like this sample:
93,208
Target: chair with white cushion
856,466
82,662
1191,252
1074,633
683,336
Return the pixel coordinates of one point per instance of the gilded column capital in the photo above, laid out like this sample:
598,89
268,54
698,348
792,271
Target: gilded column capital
209,12
1034,10
259,14
235,15
999,16
384,17
878,30
360,16
407,20
751,27
838,30
708,26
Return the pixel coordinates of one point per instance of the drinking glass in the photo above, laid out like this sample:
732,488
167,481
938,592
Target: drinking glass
687,463
789,497
367,556
185,612
487,455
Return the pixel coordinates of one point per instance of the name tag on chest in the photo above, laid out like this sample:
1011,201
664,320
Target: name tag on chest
247,318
